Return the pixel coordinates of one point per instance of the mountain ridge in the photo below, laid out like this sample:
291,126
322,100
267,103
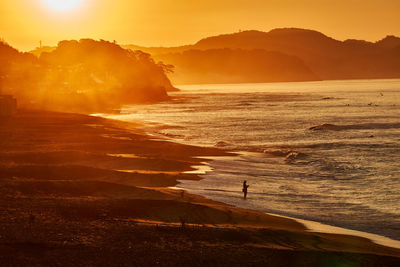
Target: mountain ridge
326,57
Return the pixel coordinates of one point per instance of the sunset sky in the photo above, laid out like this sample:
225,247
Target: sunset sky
175,22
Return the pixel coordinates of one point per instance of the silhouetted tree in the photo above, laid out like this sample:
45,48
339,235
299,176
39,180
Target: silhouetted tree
84,75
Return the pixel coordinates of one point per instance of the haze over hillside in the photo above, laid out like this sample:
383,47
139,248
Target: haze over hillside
299,55
85,75
236,66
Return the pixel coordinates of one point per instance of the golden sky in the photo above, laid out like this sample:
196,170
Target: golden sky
175,22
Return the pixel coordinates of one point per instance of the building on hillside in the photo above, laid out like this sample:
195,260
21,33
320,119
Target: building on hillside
8,105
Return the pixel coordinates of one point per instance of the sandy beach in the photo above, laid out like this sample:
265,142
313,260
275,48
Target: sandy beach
82,190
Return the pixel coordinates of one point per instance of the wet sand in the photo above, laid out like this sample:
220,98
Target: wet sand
82,190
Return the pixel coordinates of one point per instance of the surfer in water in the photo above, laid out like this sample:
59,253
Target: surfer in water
244,190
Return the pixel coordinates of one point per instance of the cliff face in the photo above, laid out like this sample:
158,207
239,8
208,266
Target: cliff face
325,57
85,75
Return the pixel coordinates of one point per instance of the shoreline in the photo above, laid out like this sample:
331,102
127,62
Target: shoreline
317,227
62,169
312,226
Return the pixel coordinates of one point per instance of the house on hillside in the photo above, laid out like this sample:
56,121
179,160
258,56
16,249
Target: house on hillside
8,105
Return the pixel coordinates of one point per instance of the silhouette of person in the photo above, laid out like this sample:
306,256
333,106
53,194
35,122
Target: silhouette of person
244,190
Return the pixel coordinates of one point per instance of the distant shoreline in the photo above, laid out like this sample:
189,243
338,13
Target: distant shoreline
313,81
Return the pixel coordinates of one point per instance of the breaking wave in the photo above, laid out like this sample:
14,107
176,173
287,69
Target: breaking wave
316,151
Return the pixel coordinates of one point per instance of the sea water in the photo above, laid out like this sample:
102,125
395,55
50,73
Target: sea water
346,176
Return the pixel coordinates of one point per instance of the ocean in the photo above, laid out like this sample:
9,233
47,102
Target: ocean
344,173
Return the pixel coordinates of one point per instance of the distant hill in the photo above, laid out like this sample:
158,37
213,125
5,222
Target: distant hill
13,66
44,49
325,57
389,42
236,66
159,50
84,75
10,56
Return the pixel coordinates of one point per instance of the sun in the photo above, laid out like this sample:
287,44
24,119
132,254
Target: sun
62,5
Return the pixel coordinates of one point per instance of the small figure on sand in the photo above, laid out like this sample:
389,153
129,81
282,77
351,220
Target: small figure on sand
244,190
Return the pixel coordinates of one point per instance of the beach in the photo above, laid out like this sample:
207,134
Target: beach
83,190
319,151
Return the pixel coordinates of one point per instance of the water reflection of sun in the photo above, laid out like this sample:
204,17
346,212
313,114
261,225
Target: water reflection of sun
62,5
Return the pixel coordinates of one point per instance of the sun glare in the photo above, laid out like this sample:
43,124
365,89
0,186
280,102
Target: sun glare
62,5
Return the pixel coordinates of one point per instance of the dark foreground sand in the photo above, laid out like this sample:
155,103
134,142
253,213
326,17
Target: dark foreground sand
64,202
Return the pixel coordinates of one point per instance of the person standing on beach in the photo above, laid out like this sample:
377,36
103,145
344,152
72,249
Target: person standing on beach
244,190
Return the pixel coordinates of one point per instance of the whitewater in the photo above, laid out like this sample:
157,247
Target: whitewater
345,173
